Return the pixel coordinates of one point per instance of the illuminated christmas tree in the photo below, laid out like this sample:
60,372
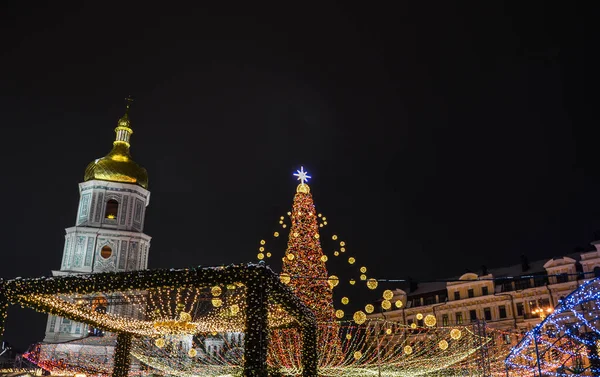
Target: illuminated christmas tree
304,264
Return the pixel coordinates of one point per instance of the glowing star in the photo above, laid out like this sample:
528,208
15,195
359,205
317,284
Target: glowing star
302,175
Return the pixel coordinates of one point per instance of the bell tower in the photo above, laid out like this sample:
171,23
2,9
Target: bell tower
108,235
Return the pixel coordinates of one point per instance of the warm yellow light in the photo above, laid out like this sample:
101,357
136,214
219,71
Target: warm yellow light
160,342
443,344
320,215
352,281
345,300
192,352
260,256
339,314
261,249
334,237
217,302
289,213
386,304
284,226
419,316
363,277
342,249
351,260
369,308
388,331
363,269
185,317
348,336
333,281
290,256
262,242
269,255
324,258
216,290
342,243
388,294
234,309
76,375
372,283
285,278
357,355
359,317
295,234
455,334
398,304
317,236
336,253
430,320
276,234
408,350
413,325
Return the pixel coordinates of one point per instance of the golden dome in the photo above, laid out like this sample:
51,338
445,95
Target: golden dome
117,165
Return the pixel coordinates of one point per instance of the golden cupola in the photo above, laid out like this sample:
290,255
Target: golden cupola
117,165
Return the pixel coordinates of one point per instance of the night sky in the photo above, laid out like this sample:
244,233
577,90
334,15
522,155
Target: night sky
440,137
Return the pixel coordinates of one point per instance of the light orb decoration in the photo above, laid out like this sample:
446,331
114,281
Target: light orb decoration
363,269
351,260
285,278
357,355
336,253
290,256
216,290
386,304
398,304
388,331
342,243
352,281
260,256
359,317
262,242
192,352
334,237
261,249
185,317
343,249
369,308
430,320
413,325
443,344
363,277
339,314
216,302
388,294
345,300
324,258
348,336
317,236
408,350
276,234
372,283
160,342
268,255
455,334
333,281
419,316
234,309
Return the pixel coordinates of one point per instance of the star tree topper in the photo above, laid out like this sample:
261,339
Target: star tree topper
303,177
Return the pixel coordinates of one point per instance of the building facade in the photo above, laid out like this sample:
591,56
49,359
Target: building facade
108,233
515,298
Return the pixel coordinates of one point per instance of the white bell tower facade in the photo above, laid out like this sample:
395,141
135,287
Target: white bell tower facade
108,235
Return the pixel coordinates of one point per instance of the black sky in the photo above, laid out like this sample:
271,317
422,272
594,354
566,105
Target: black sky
440,136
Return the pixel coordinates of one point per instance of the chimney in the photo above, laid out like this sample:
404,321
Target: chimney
524,263
484,270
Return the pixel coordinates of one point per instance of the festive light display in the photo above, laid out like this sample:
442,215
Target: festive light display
566,341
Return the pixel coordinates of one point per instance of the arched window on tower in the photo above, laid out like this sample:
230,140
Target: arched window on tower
112,207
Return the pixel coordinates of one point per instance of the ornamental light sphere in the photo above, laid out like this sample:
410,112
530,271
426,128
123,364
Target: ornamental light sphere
398,304
359,317
160,342
369,308
357,355
261,248
455,334
290,256
413,325
363,269
268,254
352,281
419,316
372,283
443,344
388,331
339,314
333,281
388,294
430,320
348,336
285,278
324,258
276,234
351,260
345,300
363,277
408,350
336,253
262,242
216,302
192,352
334,237
386,304
260,256
185,317
342,249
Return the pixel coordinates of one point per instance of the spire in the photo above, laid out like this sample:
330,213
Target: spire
123,129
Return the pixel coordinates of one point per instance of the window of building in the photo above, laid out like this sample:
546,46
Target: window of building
520,309
445,320
457,295
484,291
502,311
459,319
106,252
522,284
562,278
507,286
473,315
471,293
429,300
597,272
487,314
112,207
420,322
540,280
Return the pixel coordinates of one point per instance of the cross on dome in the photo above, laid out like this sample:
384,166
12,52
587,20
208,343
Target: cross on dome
302,175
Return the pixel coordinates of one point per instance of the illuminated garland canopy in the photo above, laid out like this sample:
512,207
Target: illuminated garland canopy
567,342
266,300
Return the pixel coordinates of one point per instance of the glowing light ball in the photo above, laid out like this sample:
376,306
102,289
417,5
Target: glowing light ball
398,304
408,350
339,314
413,325
357,355
443,344
369,308
324,258
234,309
262,242
333,281
363,269
363,277
334,237
185,317
269,255
192,352
388,331
216,290
372,283
419,316
216,302
430,320
261,248
351,260
160,342
336,253
260,256
285,278
345,300
352,281
388,294
276,234
290,256
455,334
359,317
348,336
342,243
386,304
